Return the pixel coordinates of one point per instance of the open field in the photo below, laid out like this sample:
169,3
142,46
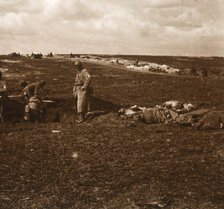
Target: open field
108,162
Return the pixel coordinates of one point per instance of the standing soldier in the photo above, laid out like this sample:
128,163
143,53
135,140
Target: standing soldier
81,91
3,96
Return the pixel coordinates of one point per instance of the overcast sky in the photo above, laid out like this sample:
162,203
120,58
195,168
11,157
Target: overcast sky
151,27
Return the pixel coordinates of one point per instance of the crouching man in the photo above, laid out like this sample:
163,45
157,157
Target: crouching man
31,95
33,111
82,91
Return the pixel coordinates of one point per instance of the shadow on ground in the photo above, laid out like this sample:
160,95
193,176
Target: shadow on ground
14,110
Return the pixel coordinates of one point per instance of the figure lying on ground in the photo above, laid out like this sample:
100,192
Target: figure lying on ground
176,112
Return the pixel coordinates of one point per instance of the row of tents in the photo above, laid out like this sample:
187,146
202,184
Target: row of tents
33,55
144,66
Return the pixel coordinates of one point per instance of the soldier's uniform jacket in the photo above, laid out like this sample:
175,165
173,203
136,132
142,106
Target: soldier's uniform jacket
82,79
31,89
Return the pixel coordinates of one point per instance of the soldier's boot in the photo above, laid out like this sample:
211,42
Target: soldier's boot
80,118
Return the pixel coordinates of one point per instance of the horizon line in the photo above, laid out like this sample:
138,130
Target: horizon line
118,54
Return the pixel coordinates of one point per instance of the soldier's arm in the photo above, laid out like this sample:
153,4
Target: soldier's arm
76,79
74,90
24,92
74,87
36,89
87,80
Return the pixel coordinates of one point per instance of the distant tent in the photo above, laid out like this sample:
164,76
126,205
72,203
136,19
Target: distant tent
72,55
14,54
37,56
50,55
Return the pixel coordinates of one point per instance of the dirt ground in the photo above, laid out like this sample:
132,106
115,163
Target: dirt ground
108,162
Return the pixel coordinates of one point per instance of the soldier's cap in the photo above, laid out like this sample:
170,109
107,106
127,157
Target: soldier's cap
78,63
42,83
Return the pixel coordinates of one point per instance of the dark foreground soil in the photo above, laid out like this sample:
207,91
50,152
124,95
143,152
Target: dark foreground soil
108,162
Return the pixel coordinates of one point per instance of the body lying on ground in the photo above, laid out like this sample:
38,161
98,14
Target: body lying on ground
176,112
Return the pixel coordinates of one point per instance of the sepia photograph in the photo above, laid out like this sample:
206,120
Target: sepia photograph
111,104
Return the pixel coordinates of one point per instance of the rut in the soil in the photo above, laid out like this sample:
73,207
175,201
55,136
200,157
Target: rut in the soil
54,112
